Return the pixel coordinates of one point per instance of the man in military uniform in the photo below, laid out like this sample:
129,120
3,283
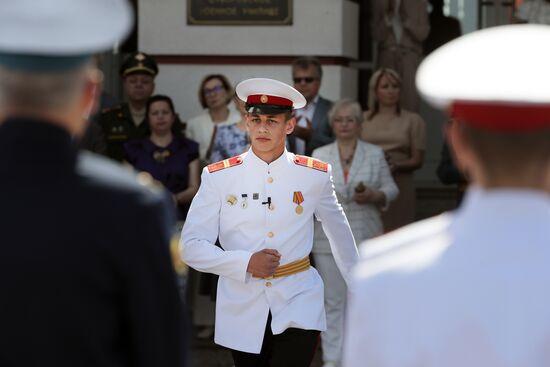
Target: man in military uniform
85,268
261,205
128,120
470,288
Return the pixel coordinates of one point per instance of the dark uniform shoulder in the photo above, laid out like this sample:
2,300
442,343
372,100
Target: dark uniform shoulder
305,161
112,176
226,163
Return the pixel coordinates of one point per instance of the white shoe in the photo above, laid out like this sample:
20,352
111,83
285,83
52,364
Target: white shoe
206,332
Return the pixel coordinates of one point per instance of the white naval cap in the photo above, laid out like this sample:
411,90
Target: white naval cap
59,31
269,96
497,78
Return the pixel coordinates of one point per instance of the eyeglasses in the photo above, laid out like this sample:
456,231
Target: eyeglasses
211,91
308,80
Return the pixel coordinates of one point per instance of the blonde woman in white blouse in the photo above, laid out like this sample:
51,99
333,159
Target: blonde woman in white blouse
364,186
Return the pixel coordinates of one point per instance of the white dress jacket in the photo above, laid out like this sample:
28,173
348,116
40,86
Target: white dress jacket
244,302
468,288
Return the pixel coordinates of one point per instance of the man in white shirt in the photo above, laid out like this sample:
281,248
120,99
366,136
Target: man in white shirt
269,308
312,128
470,288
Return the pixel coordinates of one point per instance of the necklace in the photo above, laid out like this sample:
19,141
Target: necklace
346,161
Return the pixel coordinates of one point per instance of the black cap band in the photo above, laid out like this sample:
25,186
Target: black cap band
267,109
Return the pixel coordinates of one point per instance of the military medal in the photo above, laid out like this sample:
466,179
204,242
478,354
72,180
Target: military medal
231,200
255,196
298,198
244,204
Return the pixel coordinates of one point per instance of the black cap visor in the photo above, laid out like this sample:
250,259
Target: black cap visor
267,109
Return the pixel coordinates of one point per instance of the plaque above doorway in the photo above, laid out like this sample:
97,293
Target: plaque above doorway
239,12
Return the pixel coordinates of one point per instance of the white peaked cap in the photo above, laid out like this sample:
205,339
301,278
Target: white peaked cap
62,27
497,78
260,90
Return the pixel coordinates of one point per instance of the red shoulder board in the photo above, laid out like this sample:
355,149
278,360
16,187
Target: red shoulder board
226,163
302,160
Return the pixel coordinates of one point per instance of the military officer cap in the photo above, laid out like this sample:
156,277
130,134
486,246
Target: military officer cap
56,35
268,96
494,79
139,62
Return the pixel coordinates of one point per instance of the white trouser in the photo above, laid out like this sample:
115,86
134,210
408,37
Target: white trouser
335,306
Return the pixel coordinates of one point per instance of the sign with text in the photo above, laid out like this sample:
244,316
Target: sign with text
239,12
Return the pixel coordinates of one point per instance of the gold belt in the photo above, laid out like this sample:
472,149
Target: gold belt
291,268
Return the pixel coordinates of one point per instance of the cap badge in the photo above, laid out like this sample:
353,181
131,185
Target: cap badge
140,57
264,99
298,199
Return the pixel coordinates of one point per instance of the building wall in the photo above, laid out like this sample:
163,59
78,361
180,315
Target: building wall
319,28
325,28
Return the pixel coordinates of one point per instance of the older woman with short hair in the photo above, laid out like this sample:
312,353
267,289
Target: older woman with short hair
364,186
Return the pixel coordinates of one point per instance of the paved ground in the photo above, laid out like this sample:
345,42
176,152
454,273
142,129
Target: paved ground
205,353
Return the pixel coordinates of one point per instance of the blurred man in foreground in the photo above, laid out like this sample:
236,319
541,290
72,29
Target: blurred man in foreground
469,288
85,270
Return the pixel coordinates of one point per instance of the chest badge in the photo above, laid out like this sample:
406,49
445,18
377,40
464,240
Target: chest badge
298,199
231,200
244,204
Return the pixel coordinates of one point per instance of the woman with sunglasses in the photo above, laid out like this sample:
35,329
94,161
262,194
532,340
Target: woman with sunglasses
215,94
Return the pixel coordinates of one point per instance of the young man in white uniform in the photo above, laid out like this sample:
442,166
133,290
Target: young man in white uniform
261,205
470,288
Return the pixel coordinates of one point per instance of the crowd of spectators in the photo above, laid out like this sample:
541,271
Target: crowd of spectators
373,151
373,154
